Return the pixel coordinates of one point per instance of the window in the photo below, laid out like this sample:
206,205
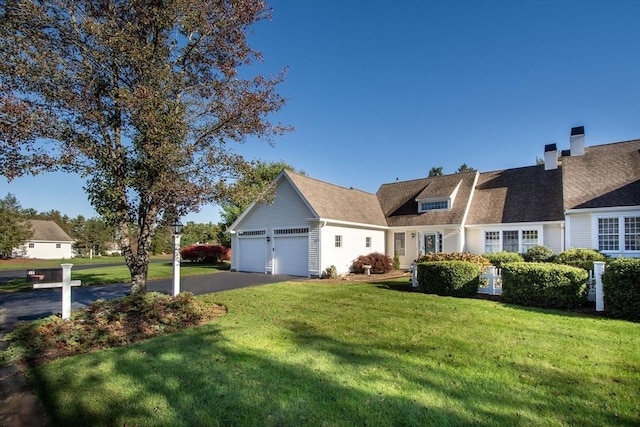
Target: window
608,237
632,234
430,206
32,245
398,244
492,242
510,241
367,242
529,239
338,241
58,245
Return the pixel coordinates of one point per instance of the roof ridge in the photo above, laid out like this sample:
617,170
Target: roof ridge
328,183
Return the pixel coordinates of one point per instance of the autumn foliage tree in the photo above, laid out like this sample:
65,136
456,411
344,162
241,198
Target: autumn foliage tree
140,98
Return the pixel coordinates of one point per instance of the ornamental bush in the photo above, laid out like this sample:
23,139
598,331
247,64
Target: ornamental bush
539,253
544,285
479,260
206,254
621,286
499,259
449,278
578,257
380,263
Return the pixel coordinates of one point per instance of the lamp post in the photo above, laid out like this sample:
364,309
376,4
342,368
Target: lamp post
176,231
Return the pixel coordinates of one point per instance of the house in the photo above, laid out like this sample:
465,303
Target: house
587,197
48,241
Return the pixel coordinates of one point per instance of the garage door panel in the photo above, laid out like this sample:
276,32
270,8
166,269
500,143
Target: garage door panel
252,255
292,255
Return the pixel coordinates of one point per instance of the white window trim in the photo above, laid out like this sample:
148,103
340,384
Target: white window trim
595,241
519,229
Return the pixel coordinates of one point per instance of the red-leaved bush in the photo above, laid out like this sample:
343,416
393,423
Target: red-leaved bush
380,263
206,254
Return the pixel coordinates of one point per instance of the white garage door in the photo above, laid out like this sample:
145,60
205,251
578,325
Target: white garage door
252,254
291,255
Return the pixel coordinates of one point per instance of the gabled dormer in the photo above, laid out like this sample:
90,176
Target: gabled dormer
438,195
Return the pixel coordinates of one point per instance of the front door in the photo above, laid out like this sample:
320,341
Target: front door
430,243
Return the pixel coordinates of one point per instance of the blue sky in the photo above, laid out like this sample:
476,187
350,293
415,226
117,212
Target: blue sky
385,90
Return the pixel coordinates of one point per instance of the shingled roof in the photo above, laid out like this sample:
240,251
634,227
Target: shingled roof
398,200
605,176
47,231
331,201
528,194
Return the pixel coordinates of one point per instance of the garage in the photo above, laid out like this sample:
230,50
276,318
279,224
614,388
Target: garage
252,254
291,252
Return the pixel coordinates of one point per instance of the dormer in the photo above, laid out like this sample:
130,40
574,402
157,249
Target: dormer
438,195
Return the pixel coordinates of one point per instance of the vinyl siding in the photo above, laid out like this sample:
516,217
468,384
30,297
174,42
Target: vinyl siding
552,237
474,241
579,229
353,245
48,250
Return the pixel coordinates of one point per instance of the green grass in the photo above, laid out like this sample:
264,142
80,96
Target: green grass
343,354
26,263
118,274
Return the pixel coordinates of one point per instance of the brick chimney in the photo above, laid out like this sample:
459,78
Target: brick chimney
550,157
576,141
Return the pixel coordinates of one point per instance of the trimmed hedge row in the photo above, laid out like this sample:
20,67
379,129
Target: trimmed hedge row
449,278
621,286
544,285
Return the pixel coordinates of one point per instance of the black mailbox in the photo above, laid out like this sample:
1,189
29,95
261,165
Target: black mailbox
44,275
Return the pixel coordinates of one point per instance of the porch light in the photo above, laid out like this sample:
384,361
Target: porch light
176,230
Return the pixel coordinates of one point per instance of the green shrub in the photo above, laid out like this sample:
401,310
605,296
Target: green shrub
578,257
380,263
330,273
396,262
499,259
544,285
539,253
451,278
479,260
621,286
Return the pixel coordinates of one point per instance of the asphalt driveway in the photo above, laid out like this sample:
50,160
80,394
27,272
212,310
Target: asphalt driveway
24,306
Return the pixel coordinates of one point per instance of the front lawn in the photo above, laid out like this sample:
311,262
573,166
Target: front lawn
358,354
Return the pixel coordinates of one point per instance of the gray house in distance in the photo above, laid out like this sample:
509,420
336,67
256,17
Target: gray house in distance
583,197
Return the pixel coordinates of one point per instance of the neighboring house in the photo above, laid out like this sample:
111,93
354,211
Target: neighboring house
48,241
585,197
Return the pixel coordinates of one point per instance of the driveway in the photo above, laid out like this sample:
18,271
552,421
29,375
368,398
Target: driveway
24,306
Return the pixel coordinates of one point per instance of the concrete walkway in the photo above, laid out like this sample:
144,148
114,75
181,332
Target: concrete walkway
19,407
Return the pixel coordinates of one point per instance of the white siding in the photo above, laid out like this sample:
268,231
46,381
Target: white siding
450,240
553,236
47,250
474,241
579,231
353,245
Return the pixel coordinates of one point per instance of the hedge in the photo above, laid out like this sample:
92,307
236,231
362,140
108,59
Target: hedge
449,278
544,285
480,260
621,286
499,259
579,257
206,254
539,253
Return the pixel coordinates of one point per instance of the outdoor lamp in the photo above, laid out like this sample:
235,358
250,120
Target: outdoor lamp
176,230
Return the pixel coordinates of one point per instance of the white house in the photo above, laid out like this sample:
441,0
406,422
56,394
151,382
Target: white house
585,197
48,241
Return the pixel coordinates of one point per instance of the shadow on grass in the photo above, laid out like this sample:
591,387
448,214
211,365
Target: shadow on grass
200,378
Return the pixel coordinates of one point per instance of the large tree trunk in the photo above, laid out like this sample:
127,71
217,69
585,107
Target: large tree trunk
139,269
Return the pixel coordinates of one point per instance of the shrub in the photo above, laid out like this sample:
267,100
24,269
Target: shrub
330,273
582,258
621,286
539,253
544,285
450,278
380,263
479,260
499,259
206,254
396,262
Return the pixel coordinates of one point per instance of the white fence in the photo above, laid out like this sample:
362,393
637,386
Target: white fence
491,283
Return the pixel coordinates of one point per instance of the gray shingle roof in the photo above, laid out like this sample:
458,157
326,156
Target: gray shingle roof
47,231
331,201
398,200
529,194
605,176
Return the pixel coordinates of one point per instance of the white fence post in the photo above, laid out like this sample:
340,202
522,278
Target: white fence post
414,275
598,269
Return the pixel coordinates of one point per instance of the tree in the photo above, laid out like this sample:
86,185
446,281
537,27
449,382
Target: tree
93,235
435,171
141,98
14,230
464,168
251,186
